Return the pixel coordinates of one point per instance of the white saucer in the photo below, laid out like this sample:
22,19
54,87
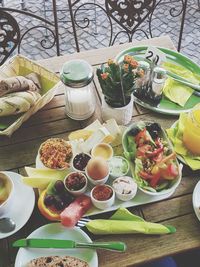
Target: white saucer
23,204
196,200
57,231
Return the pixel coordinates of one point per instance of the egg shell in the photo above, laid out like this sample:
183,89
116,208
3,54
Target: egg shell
97,168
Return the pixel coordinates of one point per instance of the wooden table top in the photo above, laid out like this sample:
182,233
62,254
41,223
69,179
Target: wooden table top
20,150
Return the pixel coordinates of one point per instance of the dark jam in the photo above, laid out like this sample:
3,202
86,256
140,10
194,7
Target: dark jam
75,181
80,161
102,192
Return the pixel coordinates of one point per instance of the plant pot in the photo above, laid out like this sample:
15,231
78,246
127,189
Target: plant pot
122,115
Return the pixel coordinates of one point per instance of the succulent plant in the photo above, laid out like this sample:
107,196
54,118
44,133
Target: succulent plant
117,80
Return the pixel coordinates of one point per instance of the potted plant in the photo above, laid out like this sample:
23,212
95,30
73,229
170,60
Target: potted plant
117,82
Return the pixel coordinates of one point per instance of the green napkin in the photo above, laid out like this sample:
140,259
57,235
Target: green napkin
176,91
124,222
176,136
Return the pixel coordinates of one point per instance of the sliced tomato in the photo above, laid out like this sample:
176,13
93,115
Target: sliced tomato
142,150
170,172
141,137
155,179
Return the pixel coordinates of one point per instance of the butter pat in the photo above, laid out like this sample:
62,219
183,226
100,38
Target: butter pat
102,135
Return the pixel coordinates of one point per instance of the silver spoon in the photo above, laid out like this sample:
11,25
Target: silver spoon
6,225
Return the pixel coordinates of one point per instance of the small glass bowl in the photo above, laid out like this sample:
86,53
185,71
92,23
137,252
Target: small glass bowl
102,204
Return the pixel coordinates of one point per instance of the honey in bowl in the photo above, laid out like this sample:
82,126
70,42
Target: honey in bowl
5,188
102,150
191,134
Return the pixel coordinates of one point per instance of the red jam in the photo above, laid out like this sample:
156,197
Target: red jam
102,192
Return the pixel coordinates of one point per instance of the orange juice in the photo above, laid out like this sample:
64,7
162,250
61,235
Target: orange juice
191,134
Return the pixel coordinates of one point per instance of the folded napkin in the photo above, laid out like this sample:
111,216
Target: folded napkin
175,134
124,222
176,91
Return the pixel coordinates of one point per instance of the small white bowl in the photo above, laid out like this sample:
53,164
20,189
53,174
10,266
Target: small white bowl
97,182
125,188
75,157
103,204
113,176
104,146
7,203
76,192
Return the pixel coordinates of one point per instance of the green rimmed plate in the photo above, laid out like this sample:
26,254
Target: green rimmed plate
166,106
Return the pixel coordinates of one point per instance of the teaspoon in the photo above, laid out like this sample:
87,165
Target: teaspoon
6,225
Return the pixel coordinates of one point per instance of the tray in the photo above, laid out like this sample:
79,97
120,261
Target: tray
165,106
140,198
20,65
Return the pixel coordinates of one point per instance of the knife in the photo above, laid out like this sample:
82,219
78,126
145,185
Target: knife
53,243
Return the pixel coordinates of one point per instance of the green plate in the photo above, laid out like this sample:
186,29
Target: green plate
166,106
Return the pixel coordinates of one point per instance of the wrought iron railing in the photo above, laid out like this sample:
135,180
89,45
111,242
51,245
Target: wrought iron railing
11,36
128,16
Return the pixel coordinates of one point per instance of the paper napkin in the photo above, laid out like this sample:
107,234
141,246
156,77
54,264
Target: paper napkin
124,222
176,136
176,91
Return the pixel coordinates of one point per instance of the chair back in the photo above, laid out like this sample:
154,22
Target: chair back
9,35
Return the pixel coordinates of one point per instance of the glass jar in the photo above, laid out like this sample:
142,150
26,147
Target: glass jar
191,134
77,75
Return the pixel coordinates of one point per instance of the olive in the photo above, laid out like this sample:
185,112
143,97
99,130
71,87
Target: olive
59,204
67,198
59,186
49,200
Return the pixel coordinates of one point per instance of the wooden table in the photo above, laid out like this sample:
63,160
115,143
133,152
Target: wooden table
21,149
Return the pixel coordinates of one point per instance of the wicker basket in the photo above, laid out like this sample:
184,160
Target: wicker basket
20,65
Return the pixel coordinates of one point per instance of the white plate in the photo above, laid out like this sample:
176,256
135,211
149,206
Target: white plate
196,200
57,231
23,204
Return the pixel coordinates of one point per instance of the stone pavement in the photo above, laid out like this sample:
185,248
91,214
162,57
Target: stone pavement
97,35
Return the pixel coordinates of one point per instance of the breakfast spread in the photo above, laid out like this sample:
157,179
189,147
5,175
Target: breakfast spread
55,153
57,261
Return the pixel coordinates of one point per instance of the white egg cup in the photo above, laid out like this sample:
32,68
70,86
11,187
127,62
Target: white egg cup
97,182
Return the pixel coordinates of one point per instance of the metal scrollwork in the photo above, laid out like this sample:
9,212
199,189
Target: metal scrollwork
129,14
9,35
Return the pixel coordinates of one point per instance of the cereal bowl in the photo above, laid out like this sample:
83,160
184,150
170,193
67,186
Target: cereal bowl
6,193
102,196
76,183
54,153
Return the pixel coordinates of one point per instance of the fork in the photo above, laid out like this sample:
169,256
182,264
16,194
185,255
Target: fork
117,246
82,222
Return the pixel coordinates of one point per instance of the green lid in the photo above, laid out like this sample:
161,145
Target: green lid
76,73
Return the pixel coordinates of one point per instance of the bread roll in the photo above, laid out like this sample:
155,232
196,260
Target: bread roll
16,103
20,83
57,261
